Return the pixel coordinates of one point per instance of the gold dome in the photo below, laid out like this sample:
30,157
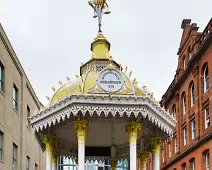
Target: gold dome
78,86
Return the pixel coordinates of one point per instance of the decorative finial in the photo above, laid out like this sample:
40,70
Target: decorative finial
100,8
110,59
135,81
53,88
130,75
77,76
68,78
126,69
47,97
120,67
61,83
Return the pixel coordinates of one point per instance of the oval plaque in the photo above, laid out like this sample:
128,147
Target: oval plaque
110,80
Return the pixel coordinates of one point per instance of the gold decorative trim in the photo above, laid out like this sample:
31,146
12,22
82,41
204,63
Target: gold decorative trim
133,128
81,127
143,158
49,142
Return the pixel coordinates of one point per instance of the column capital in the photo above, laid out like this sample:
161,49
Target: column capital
114,162
156,142
143,156
81,127
133,128
49,142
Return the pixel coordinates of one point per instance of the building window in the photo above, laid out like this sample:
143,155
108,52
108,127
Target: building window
28,115
193,129
163,158
184,63
207,159
15,153
192,95
206,79
190,55
1,77
184,104
175,143
193,165
170,149
28,163
184,167
36,167
185,136
207,117
15,97
174,112
1,146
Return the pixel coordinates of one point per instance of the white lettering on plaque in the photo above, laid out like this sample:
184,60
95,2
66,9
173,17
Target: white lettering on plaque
110,80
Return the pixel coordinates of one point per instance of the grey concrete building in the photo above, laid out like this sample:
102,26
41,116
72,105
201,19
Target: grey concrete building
19,149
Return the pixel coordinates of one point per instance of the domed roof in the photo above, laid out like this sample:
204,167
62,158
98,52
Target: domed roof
87,82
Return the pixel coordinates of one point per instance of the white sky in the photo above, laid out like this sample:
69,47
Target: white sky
52,38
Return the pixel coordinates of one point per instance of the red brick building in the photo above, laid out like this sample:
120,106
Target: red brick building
189,98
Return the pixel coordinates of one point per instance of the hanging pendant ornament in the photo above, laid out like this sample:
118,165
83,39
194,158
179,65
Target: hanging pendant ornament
100,8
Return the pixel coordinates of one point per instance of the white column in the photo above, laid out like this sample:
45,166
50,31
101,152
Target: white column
50,142
81,128
133,128
81,155
156,144
133,154
48,160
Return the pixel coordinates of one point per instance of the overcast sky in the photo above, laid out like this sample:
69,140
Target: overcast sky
51,38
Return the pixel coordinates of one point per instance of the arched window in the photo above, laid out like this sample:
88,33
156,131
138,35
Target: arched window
189,52
184,104
192,95
206,79
184,63
174,111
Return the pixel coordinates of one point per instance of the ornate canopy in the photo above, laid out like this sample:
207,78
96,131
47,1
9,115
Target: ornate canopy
106,96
